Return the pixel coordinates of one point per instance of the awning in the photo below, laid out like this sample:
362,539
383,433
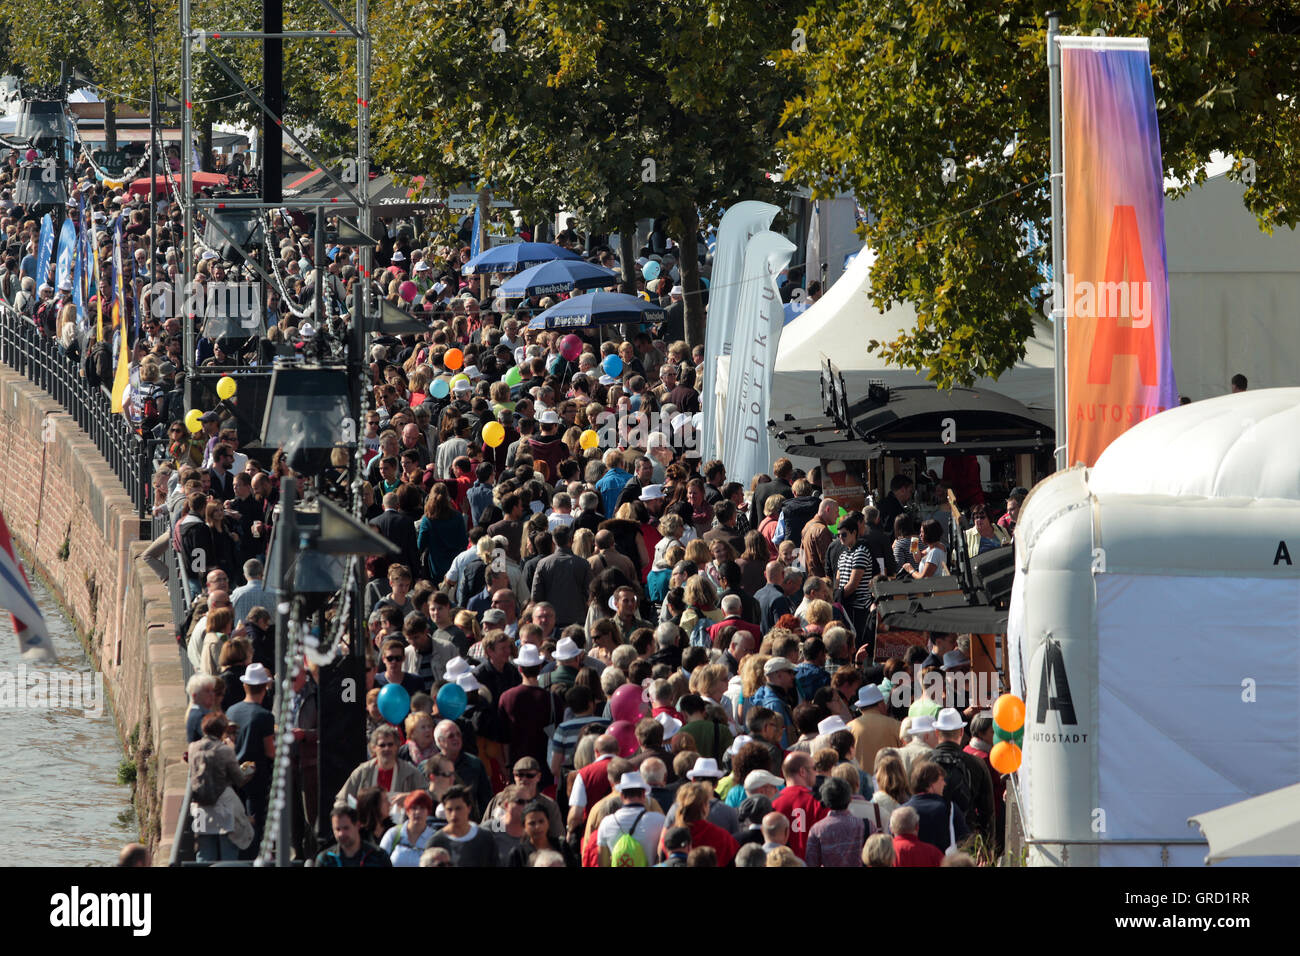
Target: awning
1267,825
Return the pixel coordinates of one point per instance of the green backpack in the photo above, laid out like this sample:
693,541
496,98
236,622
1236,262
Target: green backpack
627,849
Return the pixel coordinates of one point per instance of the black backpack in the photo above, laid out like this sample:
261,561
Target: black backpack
957,783
98,365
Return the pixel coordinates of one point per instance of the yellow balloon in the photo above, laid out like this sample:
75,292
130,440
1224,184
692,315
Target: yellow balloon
493,434
1005,757
192,420
589,439
459,377
226,388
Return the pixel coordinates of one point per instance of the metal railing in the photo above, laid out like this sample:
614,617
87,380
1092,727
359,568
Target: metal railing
1018,841
26,349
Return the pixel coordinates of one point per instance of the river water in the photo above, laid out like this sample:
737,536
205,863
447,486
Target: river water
60,802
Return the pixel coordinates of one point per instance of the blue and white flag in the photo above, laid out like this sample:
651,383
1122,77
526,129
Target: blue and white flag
478,225
67,254
44,250
80,272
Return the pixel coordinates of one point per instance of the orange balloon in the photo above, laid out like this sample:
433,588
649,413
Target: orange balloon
1009,713
1005,757
454,359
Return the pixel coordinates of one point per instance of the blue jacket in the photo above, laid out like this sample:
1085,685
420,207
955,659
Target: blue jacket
610,487
767,697
810,678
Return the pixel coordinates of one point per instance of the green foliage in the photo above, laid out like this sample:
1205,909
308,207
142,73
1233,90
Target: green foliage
896,86
614,111
126,772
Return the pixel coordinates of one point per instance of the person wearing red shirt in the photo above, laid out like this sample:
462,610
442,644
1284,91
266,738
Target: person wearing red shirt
909,848
797,802
731,607
692,809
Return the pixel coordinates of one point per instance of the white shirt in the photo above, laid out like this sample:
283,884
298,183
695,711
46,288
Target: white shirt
558,520
647,830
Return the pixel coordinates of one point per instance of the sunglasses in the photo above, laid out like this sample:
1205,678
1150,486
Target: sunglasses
443,773
527,774
394,660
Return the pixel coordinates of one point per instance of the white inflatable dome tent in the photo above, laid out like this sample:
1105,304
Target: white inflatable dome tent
1154,633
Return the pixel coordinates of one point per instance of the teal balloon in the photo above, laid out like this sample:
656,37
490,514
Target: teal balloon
439,388
650,271
613,366
451,701
395,703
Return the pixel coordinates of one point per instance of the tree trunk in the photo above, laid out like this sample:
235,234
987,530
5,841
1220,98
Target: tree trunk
110,124
690,267
627,255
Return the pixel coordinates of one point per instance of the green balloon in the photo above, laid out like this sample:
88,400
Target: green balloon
999,735
513,376
835,528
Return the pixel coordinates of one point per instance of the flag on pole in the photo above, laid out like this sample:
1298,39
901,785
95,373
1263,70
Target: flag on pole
1115,282
79,271
67,253
16,598
44,250
123,373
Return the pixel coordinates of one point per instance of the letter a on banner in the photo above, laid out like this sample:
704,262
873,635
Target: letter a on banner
1117,317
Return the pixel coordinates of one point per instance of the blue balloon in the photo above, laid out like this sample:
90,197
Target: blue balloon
439,388
394,703
650,271
613,366
451,701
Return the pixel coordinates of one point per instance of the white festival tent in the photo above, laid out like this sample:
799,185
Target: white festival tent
1152,633
1232,289
839,325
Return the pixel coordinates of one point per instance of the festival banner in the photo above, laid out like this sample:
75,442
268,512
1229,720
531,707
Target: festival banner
44,250
756,333
1115,285
739,224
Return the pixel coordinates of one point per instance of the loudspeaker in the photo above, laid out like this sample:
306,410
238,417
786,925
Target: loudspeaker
342,702
244,226
993,572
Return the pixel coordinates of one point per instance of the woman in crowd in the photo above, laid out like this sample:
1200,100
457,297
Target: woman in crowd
405,843
441,533
892,790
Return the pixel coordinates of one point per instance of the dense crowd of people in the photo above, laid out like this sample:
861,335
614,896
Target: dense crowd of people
660,663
